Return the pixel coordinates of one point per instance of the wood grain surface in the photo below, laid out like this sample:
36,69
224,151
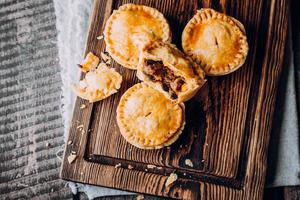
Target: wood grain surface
231,115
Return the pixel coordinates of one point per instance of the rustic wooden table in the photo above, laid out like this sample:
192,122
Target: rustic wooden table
31,129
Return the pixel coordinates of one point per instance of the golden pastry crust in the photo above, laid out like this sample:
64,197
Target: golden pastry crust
98,84
129,27
216,41
147,119
165,68
90,62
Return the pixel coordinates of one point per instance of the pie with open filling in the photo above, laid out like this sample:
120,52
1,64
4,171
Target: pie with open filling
165,68
98,84
147,119
129,27
215,41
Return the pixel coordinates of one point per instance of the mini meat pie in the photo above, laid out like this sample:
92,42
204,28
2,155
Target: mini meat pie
215,41
129,27
147,119
98,84
165,68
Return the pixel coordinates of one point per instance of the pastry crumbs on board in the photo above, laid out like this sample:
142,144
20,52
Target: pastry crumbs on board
171,179
188,162
130,167
100,37
80,126
71,158
118,165
140,197
151,166
70,142
83,106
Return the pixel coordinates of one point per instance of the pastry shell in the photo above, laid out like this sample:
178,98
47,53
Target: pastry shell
147,119
215,41
175,61
129,28
90,63
98,84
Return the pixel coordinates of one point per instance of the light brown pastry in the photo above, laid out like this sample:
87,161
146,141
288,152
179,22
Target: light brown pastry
129,28
98,84
168,70
89,63
147,119
215,41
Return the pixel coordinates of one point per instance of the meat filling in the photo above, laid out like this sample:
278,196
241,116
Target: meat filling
157,72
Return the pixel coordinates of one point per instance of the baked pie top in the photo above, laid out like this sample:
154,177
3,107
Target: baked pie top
129,27
216,41
147,119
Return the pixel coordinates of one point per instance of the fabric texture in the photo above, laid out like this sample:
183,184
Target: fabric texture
283,157
31,126
72,24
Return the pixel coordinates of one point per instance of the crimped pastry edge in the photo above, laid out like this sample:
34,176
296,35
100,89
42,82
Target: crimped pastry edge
135,142
207,14
167,34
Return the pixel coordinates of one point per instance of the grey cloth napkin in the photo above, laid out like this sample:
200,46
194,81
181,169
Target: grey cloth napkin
72,24
283,157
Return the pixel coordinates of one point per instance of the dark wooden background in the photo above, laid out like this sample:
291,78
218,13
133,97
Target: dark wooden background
30,125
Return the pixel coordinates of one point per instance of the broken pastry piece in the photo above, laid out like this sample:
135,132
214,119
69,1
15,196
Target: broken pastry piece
98,84
90,62
166,69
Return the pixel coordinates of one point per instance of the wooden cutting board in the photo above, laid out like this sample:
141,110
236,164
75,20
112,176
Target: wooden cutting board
228,123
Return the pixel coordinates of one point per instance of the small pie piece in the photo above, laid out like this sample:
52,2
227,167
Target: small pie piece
90,62
147,119
129,27
165,68
215,41
98,84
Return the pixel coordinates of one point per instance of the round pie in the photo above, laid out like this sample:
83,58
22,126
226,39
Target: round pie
215,41
147,119
165,68
129,27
